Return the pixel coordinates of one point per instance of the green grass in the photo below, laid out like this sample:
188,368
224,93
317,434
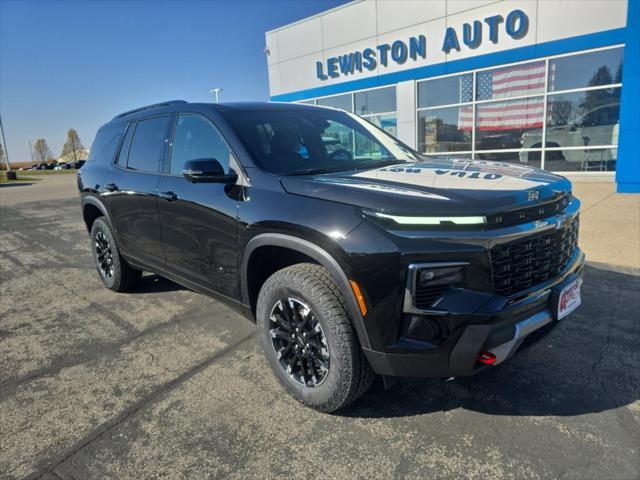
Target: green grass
33,175
21,178
48,172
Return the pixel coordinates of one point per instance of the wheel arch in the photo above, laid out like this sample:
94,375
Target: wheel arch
93,208
318,255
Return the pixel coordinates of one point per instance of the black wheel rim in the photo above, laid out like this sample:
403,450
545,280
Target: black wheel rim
299,342
104,255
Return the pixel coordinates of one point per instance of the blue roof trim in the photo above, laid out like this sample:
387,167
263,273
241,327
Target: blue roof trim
556,47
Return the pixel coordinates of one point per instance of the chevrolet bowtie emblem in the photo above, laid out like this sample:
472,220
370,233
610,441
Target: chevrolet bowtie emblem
533,195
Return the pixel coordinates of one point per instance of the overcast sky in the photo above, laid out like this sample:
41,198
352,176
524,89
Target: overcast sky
74,64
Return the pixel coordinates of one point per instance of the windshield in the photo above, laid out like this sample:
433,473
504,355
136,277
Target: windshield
306,141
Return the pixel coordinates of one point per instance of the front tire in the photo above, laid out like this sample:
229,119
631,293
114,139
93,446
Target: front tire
113,270
309,340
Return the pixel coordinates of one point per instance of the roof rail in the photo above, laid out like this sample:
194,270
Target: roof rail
148,107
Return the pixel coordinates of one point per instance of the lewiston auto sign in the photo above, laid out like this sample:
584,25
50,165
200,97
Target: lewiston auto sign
471,36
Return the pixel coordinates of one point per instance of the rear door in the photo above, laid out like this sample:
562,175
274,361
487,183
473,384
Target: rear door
131,190
198,220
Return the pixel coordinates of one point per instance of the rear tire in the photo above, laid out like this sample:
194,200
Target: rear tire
334,371
113,270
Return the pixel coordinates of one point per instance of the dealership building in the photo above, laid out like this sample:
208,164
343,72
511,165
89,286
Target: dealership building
543,83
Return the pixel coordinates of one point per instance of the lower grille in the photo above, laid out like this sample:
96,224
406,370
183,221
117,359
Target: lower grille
425,297
535,336
525,263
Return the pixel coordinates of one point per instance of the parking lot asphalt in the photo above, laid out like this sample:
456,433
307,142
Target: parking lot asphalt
167,383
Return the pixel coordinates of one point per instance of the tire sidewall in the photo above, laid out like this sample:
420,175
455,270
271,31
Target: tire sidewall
101,225
272,292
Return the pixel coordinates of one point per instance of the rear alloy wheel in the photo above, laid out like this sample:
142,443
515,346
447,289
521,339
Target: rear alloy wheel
309,340
104,255
113,269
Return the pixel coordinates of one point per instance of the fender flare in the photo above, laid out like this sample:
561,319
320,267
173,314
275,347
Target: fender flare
319,255
90,200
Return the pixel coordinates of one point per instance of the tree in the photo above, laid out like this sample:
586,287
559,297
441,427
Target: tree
595,98
73,148
42,151
1,154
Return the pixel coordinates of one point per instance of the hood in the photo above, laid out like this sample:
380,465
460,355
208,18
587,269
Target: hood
438,186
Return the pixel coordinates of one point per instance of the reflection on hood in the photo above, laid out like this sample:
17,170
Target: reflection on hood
434,186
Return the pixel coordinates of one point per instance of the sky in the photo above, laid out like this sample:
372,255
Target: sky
76,64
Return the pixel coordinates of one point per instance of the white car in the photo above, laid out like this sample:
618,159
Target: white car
598,126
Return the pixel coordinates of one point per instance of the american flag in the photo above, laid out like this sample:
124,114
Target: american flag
505,83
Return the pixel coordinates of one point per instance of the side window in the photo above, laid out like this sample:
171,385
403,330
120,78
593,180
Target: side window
196,138
105,144
148,143
124,149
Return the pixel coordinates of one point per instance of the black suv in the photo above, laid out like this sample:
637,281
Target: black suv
354,254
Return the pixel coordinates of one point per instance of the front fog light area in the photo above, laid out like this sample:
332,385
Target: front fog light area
439,276
427,282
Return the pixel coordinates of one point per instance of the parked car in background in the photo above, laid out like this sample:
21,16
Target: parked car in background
598,126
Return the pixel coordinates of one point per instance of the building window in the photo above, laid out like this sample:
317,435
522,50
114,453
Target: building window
377,105
504,125
515,81
445,91
445,129
603,67
381,100
560,113
345,102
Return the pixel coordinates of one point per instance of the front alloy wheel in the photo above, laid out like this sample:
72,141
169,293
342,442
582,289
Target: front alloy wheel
299,342
308,338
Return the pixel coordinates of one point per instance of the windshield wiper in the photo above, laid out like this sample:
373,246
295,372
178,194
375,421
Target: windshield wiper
381,163
366,165
310,171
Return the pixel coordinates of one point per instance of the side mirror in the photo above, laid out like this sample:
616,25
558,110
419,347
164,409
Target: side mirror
207,170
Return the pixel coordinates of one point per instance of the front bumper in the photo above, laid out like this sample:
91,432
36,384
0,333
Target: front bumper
504,332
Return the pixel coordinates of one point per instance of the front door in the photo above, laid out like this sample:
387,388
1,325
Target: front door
130,191
198,220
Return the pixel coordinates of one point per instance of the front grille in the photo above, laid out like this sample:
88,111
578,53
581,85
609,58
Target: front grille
529,214
522,264
425,296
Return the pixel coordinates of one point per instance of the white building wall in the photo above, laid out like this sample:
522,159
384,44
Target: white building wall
406,101
295,49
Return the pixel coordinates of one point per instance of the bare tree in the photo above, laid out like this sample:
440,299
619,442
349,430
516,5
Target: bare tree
42,151
73,148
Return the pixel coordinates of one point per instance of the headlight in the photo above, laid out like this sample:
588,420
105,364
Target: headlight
443,221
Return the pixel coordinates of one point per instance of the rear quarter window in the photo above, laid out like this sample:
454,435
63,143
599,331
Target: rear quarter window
147,144
106,144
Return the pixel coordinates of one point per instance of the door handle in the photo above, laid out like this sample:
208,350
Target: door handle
169,196
111,187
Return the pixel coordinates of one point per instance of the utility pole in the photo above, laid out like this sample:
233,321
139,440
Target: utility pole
216,92
31,151
11,175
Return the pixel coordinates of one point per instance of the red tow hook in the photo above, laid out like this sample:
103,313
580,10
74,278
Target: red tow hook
487,358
